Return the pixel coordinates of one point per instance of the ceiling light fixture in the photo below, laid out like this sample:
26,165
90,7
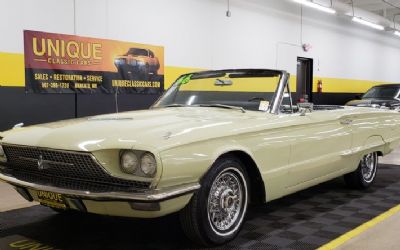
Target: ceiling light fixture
367,23
315,6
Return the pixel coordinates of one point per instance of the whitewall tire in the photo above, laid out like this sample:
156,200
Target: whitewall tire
216,212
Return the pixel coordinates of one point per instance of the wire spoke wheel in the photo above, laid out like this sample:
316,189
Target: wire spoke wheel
368,167
226,201
216,212
364,176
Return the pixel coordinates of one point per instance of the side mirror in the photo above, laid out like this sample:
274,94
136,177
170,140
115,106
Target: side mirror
19,125
358,97
304,107
302,111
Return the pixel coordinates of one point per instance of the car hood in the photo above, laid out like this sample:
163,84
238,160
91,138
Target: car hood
155,129
370,102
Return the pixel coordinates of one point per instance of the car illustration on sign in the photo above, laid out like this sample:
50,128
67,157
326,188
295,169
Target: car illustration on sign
214,143
137,63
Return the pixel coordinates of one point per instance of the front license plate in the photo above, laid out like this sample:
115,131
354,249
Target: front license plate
51,199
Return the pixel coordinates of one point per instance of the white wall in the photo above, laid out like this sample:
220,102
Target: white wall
196,33
18,15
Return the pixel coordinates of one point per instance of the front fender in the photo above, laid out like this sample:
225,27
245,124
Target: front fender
189,163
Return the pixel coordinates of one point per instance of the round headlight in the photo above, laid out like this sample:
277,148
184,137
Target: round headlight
2,154
129,162
148,164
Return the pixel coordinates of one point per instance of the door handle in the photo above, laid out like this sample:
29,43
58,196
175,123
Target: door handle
346,122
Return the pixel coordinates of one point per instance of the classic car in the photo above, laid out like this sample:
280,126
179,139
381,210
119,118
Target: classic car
214,143
387,96
137,62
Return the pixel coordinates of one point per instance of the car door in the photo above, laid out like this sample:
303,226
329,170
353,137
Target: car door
320,146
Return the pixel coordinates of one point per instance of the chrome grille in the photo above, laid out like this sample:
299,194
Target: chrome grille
66,183
64,165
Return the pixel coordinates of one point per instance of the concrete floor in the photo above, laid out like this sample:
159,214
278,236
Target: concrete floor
14,200
384,235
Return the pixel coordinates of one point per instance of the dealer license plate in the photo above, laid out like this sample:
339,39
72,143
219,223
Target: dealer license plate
51,199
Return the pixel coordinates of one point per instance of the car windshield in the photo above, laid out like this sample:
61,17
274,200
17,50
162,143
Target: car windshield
247,89
387,92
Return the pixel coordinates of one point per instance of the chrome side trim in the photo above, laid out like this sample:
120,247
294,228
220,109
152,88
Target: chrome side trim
155,195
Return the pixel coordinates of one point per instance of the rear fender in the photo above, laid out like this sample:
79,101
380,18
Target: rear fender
374,143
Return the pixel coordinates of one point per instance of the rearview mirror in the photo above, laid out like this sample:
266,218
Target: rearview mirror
220,82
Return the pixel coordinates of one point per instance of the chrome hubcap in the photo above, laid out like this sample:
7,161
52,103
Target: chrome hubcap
368,166
225,201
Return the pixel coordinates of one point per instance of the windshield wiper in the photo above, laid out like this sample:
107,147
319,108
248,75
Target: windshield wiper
223,106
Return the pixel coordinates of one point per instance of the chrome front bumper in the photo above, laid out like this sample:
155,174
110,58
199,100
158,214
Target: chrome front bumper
156,195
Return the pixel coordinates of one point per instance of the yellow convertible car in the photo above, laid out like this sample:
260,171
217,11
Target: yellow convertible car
214,143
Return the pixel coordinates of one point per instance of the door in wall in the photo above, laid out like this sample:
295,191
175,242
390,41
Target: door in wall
304,87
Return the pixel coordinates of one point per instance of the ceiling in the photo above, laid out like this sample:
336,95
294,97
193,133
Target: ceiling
386,8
